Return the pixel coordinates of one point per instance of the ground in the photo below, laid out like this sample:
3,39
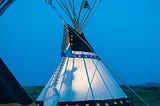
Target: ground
151,94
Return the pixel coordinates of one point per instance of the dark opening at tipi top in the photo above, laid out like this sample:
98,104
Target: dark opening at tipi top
81,78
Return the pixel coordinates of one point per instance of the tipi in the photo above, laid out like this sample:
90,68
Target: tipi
11,92
81,78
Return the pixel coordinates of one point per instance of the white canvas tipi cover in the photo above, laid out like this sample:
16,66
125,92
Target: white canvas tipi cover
81,79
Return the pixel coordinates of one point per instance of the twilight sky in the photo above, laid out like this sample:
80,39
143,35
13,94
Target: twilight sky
124,33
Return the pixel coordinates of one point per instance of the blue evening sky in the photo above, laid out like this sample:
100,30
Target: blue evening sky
124,33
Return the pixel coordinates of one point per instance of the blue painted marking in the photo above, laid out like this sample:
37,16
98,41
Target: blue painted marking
81,56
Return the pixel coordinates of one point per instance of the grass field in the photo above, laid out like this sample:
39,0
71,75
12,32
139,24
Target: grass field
150,94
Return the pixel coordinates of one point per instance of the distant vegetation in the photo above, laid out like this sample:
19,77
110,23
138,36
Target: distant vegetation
151,94
33,91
